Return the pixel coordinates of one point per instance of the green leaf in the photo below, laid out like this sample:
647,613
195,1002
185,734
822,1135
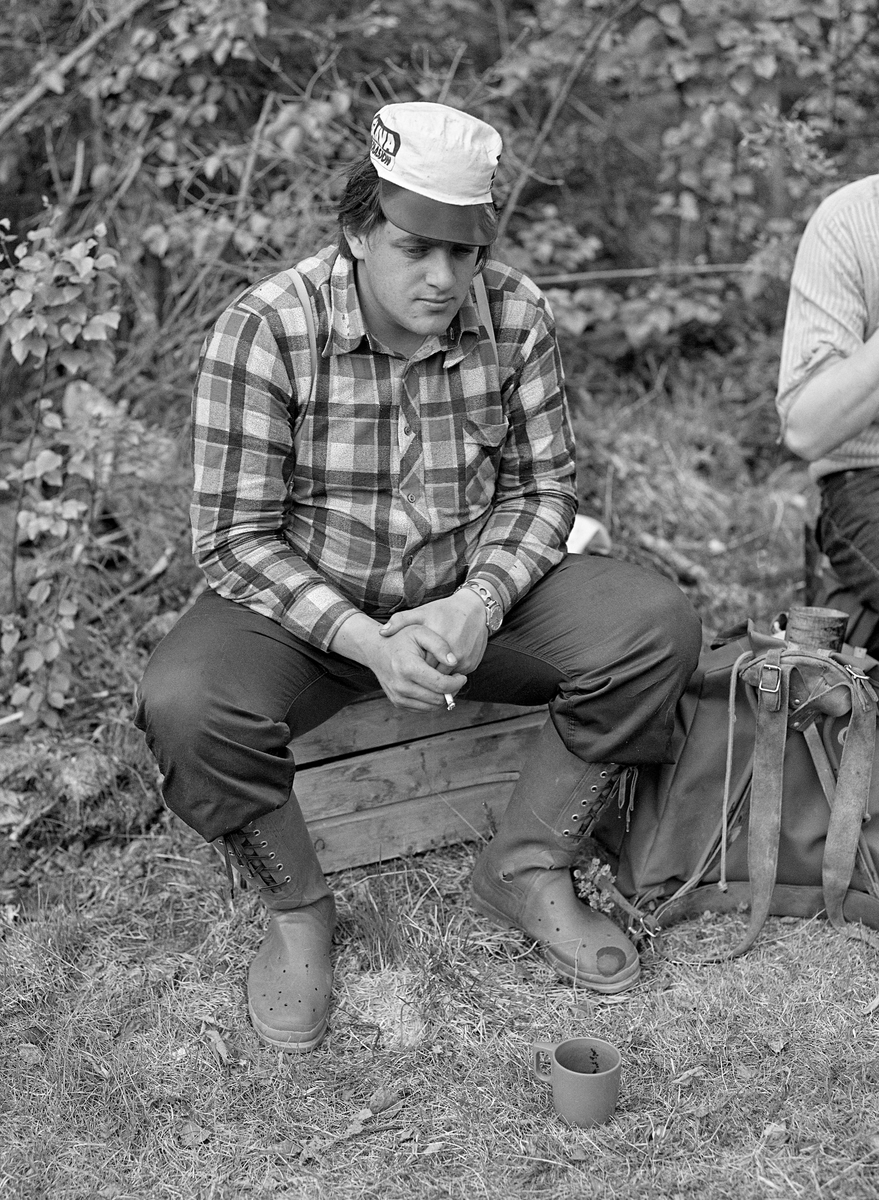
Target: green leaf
54,81
51,650
20,299
9,641
40,592
20,328
45,463
32,660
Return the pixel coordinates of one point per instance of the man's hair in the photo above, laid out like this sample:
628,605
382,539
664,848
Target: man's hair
360,208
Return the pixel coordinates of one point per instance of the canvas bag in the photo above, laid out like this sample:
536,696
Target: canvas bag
674,859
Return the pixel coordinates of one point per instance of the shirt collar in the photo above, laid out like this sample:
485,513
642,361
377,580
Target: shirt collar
348,329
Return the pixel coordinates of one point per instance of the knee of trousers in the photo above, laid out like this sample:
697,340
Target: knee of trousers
196,734
671,625
623,710
172,709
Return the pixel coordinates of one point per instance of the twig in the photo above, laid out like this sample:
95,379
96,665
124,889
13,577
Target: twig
503,28
78,170
686,571
66,64
558,103
599,122
251,158
450,74
52,161
159,567
648,272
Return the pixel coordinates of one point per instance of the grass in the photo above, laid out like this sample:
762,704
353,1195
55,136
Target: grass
130,1068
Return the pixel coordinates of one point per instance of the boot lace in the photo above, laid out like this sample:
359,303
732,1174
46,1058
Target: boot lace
611,778
255,856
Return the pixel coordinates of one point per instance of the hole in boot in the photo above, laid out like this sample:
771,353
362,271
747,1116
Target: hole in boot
610,960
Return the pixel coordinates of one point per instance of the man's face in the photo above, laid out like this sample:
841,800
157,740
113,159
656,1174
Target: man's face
409,286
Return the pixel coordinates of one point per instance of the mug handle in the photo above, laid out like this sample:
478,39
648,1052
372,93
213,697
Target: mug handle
536,1049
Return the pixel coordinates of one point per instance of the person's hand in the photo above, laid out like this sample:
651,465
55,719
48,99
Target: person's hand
416,668
458,619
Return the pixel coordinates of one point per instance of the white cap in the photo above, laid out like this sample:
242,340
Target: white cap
436,165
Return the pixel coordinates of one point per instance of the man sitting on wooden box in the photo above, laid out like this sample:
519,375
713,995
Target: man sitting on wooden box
395,513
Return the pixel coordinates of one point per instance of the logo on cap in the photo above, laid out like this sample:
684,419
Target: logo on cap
385,143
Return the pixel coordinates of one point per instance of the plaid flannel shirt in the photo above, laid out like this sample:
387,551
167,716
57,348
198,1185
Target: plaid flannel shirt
394,479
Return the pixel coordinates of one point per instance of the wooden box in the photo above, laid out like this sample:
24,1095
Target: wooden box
376,782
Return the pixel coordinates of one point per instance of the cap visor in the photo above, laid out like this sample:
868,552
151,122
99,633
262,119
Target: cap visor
467,224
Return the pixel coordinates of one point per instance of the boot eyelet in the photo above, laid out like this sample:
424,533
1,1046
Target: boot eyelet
566,833
575,816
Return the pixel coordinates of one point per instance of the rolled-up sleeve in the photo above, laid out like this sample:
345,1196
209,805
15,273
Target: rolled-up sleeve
827,316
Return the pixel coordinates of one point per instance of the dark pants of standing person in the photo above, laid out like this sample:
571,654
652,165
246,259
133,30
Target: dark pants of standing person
607,645
848,530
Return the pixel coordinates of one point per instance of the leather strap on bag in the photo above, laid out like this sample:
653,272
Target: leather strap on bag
794,686
764,830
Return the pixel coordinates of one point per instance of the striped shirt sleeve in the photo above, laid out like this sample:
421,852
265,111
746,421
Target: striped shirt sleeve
829,314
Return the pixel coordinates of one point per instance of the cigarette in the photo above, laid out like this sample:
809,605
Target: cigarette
450,701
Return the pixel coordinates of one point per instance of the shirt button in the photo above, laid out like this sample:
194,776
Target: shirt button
406,430
411,497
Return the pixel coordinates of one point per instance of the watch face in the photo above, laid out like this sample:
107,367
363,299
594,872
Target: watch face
495,618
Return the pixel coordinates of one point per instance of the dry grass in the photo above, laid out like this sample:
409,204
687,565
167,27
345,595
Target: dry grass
130,1070
128,1067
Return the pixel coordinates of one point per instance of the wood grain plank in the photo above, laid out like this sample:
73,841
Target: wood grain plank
391,831
374,722
394,775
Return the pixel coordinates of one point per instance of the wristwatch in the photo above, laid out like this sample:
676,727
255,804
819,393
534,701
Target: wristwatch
494,614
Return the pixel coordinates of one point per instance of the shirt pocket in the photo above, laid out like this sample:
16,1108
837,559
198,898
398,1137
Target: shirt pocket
484,436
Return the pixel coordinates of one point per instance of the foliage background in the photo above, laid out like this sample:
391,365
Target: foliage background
660,161
156,155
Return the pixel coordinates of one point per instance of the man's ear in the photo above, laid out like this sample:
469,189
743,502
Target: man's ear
356,243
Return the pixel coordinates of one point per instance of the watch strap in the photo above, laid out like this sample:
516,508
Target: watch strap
493,611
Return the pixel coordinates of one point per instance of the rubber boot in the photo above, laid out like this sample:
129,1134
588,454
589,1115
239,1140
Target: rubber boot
290,981
522,879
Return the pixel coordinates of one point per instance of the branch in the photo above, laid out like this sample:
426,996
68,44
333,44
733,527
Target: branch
241,202
66,64
577,66
686,570
647,273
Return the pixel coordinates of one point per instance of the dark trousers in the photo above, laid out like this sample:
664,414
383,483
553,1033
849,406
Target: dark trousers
607,645
848,530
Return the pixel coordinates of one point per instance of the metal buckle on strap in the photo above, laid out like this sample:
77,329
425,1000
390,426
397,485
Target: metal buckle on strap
762,685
